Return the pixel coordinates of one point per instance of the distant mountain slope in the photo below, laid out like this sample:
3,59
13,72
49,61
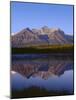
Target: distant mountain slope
43,36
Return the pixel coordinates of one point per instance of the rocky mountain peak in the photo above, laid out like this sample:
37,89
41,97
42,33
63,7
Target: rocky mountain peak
45,29
40,36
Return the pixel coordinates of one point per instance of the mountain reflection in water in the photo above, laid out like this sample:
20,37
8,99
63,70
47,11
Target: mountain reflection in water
42,73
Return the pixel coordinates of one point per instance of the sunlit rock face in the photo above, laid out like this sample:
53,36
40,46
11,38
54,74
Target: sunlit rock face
42,36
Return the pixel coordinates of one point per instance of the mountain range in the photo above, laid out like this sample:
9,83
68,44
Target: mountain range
43,36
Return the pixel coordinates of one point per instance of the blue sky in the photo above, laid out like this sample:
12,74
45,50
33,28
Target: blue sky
34,15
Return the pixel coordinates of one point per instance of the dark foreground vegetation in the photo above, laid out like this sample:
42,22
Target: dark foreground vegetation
37,92
49,49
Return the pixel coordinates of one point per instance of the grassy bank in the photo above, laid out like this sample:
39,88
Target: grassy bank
49,49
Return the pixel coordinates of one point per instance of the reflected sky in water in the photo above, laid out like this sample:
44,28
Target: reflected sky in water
48,73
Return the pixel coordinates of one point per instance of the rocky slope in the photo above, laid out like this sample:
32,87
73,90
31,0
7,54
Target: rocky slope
44,36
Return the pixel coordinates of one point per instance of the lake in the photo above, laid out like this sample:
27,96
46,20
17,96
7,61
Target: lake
41,75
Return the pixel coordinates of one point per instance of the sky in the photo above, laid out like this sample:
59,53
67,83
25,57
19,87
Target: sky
34,15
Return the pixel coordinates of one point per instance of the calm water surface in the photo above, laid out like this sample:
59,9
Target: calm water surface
51,74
